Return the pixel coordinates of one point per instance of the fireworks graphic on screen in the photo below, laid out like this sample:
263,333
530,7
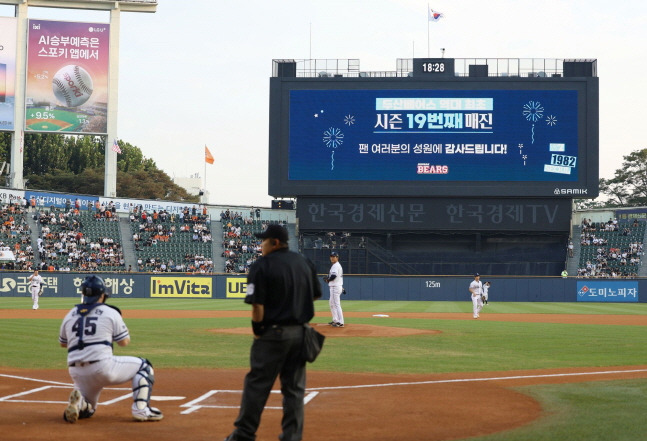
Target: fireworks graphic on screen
551,120
349,120
333,138
533,111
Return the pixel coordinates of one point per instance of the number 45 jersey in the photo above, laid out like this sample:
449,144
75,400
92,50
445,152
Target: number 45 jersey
88,330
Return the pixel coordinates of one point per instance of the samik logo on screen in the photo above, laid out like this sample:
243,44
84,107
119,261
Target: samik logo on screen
428,169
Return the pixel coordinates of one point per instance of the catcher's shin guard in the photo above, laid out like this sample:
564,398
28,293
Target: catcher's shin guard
143,384
142,390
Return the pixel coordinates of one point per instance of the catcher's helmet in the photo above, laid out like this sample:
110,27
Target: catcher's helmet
92,288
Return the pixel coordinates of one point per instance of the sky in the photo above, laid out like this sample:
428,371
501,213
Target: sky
197,72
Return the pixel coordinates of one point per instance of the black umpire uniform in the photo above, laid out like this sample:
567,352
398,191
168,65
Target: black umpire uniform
281,287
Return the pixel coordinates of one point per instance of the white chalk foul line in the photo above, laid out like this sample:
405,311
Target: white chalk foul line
312,392
467,380
38,380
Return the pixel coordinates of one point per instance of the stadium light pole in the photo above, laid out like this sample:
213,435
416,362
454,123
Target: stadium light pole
110,173
16,174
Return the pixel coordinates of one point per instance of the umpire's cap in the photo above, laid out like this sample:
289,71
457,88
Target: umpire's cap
92,288
334,254
274,231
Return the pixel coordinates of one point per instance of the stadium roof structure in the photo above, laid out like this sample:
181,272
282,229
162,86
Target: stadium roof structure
104,5
495,67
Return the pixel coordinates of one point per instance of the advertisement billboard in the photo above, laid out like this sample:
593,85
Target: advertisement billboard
181,287
410,214
236,287
8,26
446,137
67,77
607,291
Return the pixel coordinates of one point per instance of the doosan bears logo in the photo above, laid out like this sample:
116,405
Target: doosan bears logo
428,169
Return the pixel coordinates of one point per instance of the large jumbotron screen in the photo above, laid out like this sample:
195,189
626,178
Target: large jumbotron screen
445,137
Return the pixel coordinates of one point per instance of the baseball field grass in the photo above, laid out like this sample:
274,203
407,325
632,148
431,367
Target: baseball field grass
592,410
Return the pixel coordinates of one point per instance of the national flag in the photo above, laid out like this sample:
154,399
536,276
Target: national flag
207,155
115,146
434,16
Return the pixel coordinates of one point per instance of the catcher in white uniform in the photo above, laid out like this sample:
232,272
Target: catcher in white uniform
335,280
35,283
476,288
88,332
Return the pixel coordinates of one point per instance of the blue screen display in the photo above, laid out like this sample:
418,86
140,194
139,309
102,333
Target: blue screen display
433,135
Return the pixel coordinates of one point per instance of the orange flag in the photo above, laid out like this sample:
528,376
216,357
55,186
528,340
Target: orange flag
207,155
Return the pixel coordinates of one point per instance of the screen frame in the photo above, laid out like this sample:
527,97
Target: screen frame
586,186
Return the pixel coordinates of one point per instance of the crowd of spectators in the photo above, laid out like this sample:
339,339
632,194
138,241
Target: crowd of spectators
63,245
15,236
155,230
241,247
191,263
588,226
333,240
618,249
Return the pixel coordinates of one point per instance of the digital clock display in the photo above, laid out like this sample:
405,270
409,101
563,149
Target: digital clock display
433,67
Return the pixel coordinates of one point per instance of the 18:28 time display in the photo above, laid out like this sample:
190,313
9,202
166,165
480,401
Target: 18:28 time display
433,67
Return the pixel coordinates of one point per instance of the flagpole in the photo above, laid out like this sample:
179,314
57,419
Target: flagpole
205,179
428,29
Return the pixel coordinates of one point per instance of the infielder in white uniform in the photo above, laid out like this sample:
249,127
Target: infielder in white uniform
35,282
476,288
88,332
335,280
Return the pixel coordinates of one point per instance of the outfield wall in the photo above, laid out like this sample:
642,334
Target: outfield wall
414,288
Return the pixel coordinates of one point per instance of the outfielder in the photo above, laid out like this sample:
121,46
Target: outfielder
88,332
335,280
35,282
476,288
486,287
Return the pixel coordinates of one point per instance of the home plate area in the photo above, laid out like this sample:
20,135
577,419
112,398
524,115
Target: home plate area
230,399
203,404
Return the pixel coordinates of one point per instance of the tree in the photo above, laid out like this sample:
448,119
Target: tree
75,164
628,187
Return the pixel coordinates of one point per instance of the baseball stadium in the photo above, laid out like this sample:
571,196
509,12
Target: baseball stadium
378,172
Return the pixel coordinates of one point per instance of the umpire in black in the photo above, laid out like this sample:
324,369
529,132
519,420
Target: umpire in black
281,287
